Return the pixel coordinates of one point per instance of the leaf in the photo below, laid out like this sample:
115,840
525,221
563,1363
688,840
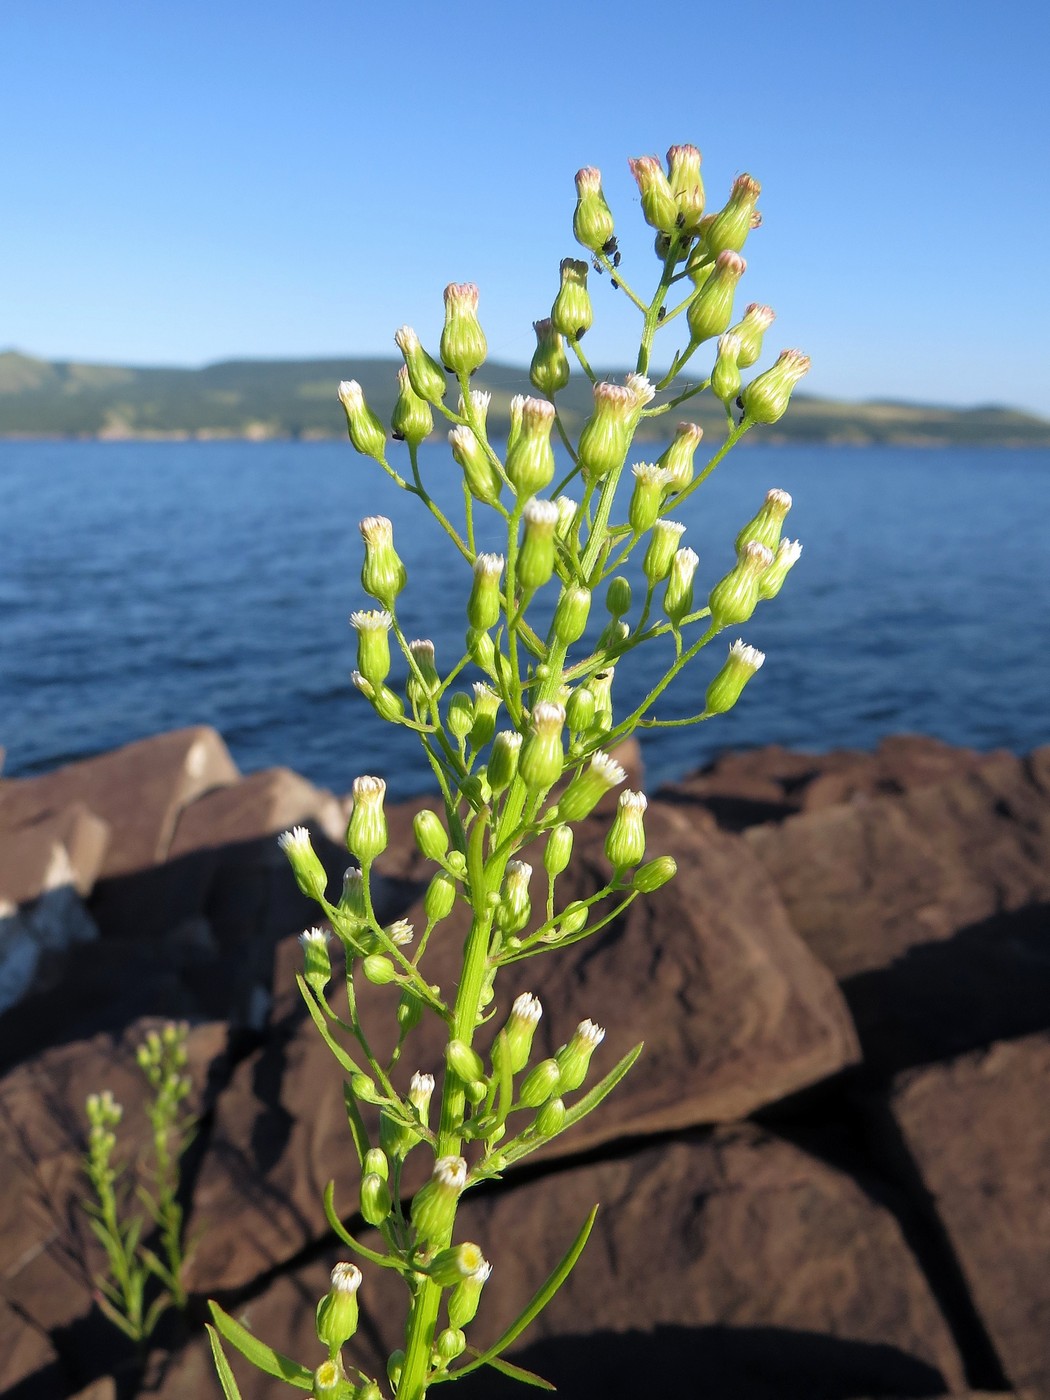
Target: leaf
539,1301
605,1086
384,1260
222,1366
519,1373
326,1035
261,1356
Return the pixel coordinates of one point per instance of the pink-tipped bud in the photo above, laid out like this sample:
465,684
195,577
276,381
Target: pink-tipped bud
751,330
549,370
766,398
424,372
463,344
687,186
366,431
572,314
711,309
606,436
731,225
725,377
658,201
530,457
592,222
678,458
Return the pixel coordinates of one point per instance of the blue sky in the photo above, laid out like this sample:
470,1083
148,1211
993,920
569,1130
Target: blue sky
184,183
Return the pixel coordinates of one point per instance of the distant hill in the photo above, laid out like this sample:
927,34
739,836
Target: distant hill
297,399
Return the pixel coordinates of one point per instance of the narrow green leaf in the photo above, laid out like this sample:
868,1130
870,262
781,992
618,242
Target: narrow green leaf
118,1319
261,1356
605,1086
519,1373
222,1366
384,1260
322,1025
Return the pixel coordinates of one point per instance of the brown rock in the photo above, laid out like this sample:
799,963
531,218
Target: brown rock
262,804
62,848
138,790
978,1132
29,1364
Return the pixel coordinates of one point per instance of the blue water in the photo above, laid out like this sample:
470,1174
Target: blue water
145,586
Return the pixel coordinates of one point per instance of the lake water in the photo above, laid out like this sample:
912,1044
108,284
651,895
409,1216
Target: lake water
145,586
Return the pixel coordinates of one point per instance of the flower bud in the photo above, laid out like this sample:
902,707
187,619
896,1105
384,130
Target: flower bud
751,331
434,1205
440,897
366,835
486,704
463,345
536,556
573,1059
423,679
540,1084
678,596
725,377
567,510
464,1298
579,710
735,597
660,553
650,483
460,718
549,371
592,221
687,186
521,1026
375,1198
558,851
724,691
464,1061
515,908
772,580
420,1092
412,421
305,862
382,573
337,1311
571,613
517,404
317,964
475,407
618,596
625,840
606,436
373,644
379,970
601,688
431,836
572,314
542,757
678,458
530,457
479,471
451,1266
642,392
658,201
766,397
484,606
503,760
654,874
730,226
352,900
588,787
376,1161
711,309
450,1343
383,700
481,650
768,523
551,1118
424,372
366,431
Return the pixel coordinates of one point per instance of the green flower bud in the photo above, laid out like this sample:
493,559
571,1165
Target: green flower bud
373,644
567,510
724,691
484,606
536,556
409,1011
521,1026
306,864
481,650
571,613
412,421
735,597
503,760
460,718
379,970
542,757
606,436
530,457
766,397
451,1266
658,201
725,377
618,596
601,689
540,1084
730,226
711,309
687,186
440,897
382,573
517,405
579,710
329,1383
650,484
515,907
625,840
486,705
772,580
572,314
317,964
463,344
420,1092
479,471
337,1310
477,402
549,370
751,331
383,700
376,1161
366,835
423,686
424,372
431,836
678,458
574,1059
588,787
464,1061
678,596
551,1118
654,874
450,1343
434,1205
464,1298
375,1198
352,900
366,431
592,221
394,1366
659,556
768,523
558,851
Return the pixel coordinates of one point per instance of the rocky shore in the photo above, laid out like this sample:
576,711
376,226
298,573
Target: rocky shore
828,1178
